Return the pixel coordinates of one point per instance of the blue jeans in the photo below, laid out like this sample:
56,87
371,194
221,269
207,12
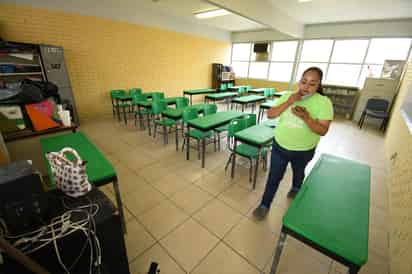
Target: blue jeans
279,160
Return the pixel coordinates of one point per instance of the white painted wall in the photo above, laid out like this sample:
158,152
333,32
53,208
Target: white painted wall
263,12
387,28
264,35
128,11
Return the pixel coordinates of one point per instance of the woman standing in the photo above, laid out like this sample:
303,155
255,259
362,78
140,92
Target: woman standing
304,116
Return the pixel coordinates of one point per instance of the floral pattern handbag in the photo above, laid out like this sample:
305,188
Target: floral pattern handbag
69,176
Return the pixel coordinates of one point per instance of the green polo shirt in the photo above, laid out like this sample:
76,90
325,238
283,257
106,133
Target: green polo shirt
291,132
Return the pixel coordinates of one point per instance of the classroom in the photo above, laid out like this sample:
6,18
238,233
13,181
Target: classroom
206,136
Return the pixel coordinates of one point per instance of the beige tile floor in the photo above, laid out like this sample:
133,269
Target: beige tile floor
194,220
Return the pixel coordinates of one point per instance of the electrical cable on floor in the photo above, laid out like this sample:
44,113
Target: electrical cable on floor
60,227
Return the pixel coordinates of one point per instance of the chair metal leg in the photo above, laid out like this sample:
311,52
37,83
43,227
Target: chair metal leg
218,141
177,138
228,161
155,130
214,141
198,149
183,145
250,169
165,135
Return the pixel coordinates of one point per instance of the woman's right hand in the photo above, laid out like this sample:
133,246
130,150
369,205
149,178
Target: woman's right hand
294,97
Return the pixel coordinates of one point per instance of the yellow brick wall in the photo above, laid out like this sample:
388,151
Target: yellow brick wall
256,83
103,54
398,148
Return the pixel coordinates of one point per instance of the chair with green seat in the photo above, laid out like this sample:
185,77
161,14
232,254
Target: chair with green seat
182,102
242,90
223,87
244,150
139,113
218,131
116,105
248,88
229,85
190,113
209,109
158,107
135,90
158,96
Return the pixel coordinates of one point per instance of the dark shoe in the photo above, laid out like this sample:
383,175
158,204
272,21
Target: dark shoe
292,193
260,212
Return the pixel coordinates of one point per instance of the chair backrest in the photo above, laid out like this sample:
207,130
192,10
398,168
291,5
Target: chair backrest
229,85
272,91
241,90
248,88
138,97
182,102
223,86
135,90
250,120
158,107
189,114
158,96
117,92
266,92
376,104
209,109
235,126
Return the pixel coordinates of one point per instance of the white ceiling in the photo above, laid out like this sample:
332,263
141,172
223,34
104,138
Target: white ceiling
328,11
186,8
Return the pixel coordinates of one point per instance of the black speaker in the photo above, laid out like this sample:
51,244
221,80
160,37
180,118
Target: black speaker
22,199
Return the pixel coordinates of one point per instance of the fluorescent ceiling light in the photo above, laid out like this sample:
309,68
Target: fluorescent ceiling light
211,13
303,1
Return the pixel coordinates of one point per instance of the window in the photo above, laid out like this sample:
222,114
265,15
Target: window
315,53
343,74
388,49
284,51
346,62
283,58
280,72
258,70
343,61
316,50
349,51
240,59
240,69
241,52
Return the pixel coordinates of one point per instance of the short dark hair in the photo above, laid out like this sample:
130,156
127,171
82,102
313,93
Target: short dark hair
320,73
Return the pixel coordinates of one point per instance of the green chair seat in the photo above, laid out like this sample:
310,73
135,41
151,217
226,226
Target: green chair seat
222,128
198,134
165,122
248,151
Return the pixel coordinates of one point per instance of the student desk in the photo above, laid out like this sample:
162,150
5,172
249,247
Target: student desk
98,168
257,90
192,92
207,123
221,96
176,114
236,88
331,212
249,99
265,106
281,93
258,136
